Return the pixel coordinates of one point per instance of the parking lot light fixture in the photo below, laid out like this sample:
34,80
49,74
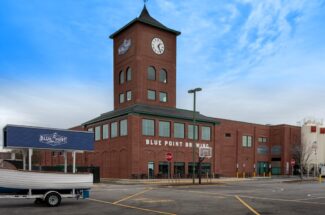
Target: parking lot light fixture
194,122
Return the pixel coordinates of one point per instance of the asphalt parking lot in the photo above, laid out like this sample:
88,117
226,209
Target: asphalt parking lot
269,196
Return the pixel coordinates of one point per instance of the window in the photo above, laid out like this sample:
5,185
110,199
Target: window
247,141
105,132
227,134
206,133
91,129
128,95
122,98
151,95
164,129
113,129
124,127
121,76
262,139
151,73
313,129
163,76
179,130
190,132
128,74
322,130
162,97
97,133
148,127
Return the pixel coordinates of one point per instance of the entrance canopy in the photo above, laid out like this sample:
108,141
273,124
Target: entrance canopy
20,137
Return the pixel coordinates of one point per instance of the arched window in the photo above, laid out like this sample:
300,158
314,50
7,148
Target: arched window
151,73
163,76
121,77
128,74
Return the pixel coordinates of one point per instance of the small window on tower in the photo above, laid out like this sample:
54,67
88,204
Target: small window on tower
151,73
128,95
163,76
162,97
313,129
121,77
122,98
151,94
128,74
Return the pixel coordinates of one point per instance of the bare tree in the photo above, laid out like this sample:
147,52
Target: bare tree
302,154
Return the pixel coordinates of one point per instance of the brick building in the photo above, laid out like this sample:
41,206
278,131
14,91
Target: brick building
133,139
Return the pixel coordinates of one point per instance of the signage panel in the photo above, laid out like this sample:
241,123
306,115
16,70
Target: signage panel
47,138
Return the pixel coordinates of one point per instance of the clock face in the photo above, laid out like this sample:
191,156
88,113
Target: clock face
157,45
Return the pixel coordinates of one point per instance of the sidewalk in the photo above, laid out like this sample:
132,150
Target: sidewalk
186,181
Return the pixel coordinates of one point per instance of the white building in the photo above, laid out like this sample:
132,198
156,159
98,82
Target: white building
313,140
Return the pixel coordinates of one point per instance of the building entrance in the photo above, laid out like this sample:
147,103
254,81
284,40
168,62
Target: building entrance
179,169
151,168
262,167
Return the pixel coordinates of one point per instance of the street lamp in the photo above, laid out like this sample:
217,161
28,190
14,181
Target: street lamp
193,145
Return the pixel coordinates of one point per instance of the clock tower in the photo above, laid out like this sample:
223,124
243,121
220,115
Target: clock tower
144,63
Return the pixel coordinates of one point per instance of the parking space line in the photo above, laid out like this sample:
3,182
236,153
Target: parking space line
132,207
129,197
247,205
283,200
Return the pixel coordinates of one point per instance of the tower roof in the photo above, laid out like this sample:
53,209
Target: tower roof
145,18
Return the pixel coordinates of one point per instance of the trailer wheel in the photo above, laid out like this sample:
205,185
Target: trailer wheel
53,199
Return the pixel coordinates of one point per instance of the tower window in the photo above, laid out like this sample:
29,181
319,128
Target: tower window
162,97
151,95
128,95
151,73
121,77
128,74
122,98
163,76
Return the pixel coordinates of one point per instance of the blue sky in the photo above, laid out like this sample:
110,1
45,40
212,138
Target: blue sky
257,61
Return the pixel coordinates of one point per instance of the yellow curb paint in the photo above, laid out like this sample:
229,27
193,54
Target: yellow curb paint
245,204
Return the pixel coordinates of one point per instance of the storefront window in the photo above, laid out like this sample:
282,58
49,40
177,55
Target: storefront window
179,169
163,169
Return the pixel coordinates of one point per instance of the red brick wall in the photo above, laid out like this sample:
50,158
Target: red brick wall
139,57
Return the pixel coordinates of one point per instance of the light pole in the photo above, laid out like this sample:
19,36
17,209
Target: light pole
193,144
